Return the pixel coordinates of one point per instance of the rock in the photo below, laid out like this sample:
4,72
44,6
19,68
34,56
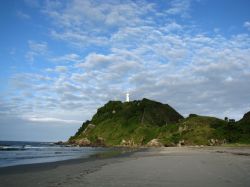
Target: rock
90,126
129,143
184,128
83,142
181,142
169,144
100,141
154,143
123,142
59,143
213,142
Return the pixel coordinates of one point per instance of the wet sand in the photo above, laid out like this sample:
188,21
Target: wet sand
185,166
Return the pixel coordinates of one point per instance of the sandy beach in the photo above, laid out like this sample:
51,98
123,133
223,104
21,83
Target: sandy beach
184,166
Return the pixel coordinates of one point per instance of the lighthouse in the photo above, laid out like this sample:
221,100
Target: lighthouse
127,97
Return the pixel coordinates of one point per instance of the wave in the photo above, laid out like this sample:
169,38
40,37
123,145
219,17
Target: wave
12,148
20,146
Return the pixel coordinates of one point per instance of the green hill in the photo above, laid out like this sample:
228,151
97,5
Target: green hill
147,122
129,123
241,129
246,118
202,130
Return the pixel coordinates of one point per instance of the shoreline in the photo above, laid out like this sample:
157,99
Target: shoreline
163,166
114,152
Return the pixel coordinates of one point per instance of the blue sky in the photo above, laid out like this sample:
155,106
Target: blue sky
61,60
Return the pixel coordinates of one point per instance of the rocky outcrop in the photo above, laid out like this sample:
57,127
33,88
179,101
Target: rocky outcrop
181,143
60,143
99,142
154,143
89,127
123,143
83,142
128,143
182,128
213,142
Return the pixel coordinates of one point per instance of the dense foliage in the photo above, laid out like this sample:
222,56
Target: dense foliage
138,122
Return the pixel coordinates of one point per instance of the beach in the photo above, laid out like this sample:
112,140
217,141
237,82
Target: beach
168,166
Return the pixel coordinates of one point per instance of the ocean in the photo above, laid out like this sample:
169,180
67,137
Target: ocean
19,152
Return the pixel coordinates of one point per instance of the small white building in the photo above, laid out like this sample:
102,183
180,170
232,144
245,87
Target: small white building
127,97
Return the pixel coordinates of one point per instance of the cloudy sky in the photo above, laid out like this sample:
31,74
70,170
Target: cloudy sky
61,60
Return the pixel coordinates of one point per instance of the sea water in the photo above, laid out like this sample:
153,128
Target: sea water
19,153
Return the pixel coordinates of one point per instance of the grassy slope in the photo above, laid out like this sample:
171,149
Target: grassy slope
200,129
241,131
142,121
137,121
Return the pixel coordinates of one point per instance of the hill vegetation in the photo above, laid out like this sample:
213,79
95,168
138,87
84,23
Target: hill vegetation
150,123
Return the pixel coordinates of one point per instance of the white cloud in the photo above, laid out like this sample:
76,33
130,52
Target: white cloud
78,13
173,26
195,73
84,23
46,120
61,69
247,25
79,38
179,7
36,49
23,15
72,57
94,60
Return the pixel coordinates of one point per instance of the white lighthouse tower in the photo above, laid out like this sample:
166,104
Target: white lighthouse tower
127,97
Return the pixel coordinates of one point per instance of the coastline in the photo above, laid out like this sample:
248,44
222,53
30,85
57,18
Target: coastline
171,166
36,167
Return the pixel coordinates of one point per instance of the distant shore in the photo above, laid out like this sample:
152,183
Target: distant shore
172,166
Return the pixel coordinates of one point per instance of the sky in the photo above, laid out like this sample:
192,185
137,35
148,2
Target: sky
62,60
